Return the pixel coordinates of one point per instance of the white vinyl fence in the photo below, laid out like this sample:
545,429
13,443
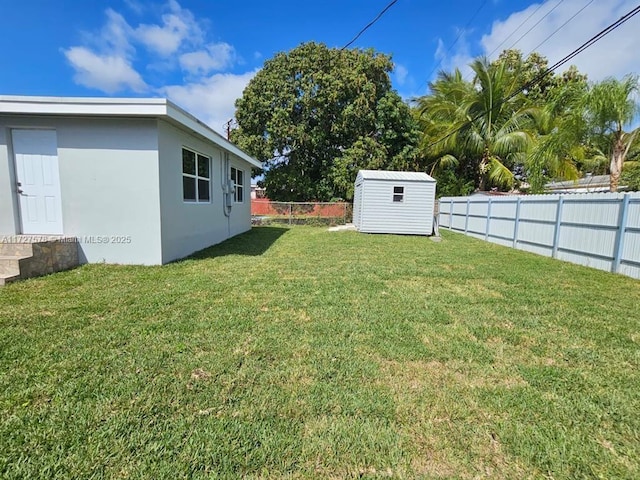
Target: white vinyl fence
599,230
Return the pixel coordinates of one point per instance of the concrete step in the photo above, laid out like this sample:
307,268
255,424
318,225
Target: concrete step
32,256
14,248
6,278
10,264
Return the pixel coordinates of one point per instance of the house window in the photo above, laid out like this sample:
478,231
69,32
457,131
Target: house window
398,194
196,177
237,177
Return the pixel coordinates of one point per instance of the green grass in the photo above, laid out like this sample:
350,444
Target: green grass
307,354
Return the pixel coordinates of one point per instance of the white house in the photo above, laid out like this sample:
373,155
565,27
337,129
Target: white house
134,181
394,202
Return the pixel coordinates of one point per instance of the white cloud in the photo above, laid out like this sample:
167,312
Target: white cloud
114,35
178,26
457,57
216,56
211,99
615,55
400,73
135,6
107,62
109,73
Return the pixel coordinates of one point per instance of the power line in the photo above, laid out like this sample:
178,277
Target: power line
457,38
554,67
384,10
525,33
553,33
517,28
536,24
561,26
391,4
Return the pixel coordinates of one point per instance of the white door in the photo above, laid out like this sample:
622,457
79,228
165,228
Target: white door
38,181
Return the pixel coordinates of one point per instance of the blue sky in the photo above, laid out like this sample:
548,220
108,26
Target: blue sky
201,54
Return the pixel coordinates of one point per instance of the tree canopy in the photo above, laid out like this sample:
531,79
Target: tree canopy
514,123
316,115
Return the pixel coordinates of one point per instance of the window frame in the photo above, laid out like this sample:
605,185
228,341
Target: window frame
398,194
198,157
238,188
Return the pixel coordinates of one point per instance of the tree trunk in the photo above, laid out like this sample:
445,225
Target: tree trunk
481,182
482,168
617,159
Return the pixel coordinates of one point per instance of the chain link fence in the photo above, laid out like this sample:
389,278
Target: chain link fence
266,212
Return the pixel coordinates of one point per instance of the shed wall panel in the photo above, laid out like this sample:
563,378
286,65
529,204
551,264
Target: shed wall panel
414,215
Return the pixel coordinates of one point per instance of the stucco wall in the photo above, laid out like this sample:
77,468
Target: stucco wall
108,181
188,227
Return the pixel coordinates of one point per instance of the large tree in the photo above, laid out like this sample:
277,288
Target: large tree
316,115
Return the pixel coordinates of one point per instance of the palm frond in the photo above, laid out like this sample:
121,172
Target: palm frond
499,174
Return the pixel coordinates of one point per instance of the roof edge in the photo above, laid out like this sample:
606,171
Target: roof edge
183,117
130,107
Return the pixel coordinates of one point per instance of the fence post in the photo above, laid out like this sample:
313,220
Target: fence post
466,218
516,223
622,226
290,212
486,233
556,233
451,214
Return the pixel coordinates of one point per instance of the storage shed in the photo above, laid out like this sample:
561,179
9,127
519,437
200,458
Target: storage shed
394,202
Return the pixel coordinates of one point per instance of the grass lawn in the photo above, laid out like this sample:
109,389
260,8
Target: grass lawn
301,353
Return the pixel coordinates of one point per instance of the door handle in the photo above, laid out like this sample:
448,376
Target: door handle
21,192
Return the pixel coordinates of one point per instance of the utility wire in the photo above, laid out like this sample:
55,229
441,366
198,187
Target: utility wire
560,27
369,24
227,124
457,38
536,24
517,28
555,66
525,33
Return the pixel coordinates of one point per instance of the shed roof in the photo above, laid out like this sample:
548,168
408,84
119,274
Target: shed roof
395,176
118,107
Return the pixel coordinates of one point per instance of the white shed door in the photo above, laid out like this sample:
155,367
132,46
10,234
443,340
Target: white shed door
36,154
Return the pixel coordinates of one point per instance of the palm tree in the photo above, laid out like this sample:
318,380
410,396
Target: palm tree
561,141
611,106
438,114
481,121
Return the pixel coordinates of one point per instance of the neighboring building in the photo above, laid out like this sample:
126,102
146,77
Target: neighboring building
394,202
135,181
588,184
258,192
